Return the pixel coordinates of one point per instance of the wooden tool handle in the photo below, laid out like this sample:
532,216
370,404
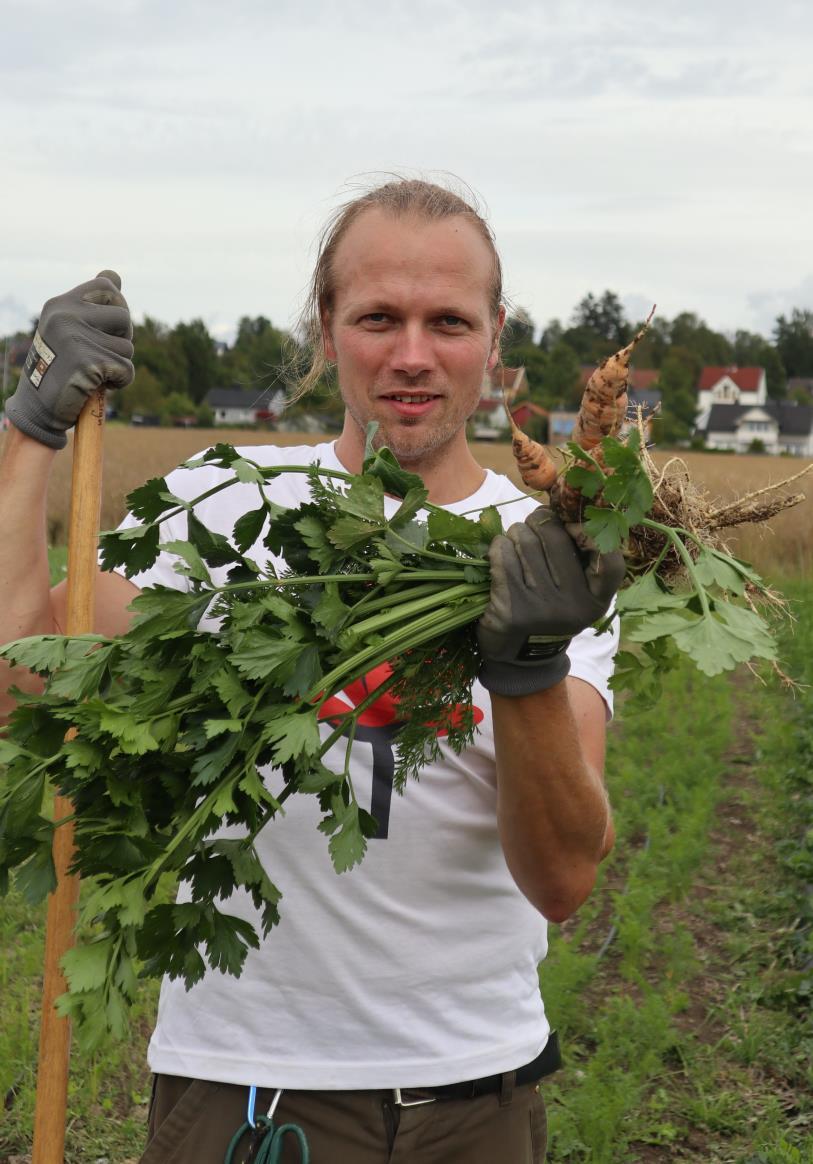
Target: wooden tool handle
55,1032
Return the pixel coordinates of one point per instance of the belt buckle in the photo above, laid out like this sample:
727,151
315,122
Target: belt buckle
399,1100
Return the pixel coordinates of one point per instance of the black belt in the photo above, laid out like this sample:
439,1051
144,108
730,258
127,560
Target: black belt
546,1062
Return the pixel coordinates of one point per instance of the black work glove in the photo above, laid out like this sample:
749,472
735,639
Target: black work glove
547,585
83,342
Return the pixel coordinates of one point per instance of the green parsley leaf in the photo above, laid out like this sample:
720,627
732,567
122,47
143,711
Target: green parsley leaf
136,548
249,527
453,527
192,564
647,593
153,499
262,655
607,527
413,501
294,734
85,967
37,877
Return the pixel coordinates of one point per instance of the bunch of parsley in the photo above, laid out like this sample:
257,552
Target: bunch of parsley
172,722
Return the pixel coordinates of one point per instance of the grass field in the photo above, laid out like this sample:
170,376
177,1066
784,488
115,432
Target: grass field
682,988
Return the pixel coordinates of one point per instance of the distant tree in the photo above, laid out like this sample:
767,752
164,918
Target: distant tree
563,377
794,342
551,334
752,350
176,405
535,362
693,333
144,397
652,349
257,353
605,317
204,416
748,347
589,346
200,353
676,382
157,350
519,330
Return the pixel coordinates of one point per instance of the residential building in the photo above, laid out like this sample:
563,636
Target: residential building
238,406
730,385
780,426
501,387
561,423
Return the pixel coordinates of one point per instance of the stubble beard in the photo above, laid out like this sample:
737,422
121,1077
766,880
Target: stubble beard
414,441
408,440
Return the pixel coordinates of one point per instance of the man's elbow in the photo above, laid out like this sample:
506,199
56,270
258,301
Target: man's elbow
558,900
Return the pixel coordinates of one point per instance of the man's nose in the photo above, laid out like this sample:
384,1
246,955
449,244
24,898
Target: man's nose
412,353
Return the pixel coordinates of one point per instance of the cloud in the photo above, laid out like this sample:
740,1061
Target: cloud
767,305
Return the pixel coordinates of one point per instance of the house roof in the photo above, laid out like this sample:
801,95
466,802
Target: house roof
647,399
246,399
524,411
746,379
793,419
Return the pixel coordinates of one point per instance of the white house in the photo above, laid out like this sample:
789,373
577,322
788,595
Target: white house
781,426
729,386
500,384
236,406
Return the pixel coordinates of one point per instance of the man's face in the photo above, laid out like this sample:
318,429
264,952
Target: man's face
411,330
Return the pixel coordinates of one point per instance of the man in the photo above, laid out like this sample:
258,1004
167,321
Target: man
397,1008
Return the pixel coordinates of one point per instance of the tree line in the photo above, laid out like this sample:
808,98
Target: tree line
177,366
677,349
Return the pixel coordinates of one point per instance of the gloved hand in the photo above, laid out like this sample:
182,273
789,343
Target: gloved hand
547,584
83,341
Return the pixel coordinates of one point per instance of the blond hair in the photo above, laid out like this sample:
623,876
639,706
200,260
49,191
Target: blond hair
398,197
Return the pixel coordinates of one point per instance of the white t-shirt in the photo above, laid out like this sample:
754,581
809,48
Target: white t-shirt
417,967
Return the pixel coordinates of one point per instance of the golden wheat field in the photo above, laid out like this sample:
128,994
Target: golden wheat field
785,546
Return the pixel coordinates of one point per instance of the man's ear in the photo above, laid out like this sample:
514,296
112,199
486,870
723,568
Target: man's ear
494,355
327,338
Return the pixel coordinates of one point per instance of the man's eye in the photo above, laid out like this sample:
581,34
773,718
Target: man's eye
376,317
451,321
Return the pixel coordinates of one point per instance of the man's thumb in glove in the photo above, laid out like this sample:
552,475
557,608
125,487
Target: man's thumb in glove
604,572
105,290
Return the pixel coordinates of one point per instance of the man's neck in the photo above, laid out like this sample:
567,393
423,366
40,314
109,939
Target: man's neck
450,474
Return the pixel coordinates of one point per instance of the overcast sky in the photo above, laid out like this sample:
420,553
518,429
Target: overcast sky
661,150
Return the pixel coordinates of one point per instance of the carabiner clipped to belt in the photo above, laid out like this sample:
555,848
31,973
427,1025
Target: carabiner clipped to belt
265,1141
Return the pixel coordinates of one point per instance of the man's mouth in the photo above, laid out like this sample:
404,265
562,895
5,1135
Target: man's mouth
410,405
412,397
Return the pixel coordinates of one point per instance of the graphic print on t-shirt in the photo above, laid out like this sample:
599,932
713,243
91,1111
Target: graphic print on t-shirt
378,725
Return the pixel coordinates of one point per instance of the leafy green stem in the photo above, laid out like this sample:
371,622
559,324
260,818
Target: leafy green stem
355,714
407,610
673,536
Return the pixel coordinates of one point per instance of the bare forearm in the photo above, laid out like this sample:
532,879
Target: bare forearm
553,812
25,599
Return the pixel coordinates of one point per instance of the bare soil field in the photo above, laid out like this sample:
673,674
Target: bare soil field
133,455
